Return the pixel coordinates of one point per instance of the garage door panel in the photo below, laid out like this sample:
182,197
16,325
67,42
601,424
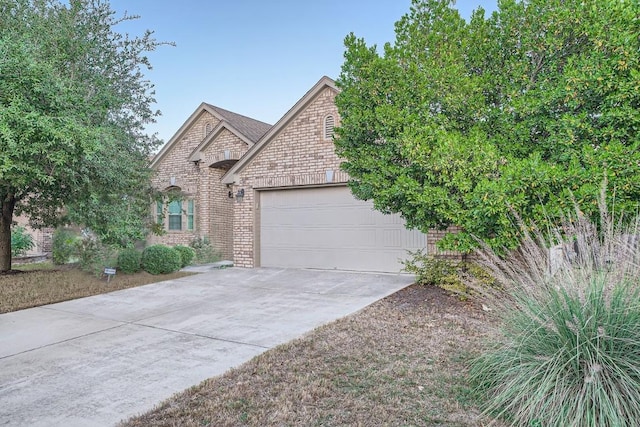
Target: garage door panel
328,228
320,216
336,258
319,238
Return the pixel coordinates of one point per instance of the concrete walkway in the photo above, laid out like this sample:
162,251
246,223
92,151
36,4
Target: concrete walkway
97,360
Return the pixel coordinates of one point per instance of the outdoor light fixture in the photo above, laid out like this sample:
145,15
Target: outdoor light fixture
240,195
230,194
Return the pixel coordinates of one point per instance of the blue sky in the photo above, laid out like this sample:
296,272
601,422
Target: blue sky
254,57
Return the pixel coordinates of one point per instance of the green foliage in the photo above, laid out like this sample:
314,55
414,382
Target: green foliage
94,255
74,103
160,259
205,253
463,123
187,254
129,260
63,245
21,241
448,274
568,349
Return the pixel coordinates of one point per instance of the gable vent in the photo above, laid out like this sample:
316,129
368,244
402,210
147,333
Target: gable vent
329,124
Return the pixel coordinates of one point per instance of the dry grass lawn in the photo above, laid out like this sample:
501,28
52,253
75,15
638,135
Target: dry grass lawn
400,362
32,285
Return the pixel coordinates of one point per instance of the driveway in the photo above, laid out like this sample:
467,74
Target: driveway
97,360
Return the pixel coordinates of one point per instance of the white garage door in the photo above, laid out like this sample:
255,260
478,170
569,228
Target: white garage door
328,228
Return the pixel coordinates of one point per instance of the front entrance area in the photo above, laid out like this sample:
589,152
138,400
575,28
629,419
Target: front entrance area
327,228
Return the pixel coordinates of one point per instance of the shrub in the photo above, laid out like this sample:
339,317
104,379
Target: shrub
568,349
205,252
94,256
160,259
450,275
21,241
63,245
187,254
129,260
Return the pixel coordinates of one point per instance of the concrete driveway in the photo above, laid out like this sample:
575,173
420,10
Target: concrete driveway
97,360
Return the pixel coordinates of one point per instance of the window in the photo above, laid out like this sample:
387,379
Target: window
207,129
190,215
175,215
180,213
329,124
159,213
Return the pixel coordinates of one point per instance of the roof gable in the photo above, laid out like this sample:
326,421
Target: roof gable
246,128
270,135
197,153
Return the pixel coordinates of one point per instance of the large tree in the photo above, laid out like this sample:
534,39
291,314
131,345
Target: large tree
73,106
466,123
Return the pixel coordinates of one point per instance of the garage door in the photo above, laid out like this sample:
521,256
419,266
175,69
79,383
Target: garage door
327,228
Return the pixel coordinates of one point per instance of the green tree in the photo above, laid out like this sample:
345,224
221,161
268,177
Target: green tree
73,106
466,123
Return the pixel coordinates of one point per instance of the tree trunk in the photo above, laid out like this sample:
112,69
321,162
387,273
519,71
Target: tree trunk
7,203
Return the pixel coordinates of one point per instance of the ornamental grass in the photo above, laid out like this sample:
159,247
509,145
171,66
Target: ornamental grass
568,348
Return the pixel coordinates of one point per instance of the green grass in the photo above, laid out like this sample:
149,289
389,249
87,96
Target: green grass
36,266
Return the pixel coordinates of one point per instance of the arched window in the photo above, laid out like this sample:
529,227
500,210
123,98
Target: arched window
207,129
329,124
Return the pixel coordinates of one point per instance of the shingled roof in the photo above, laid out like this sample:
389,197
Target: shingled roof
248,129
251,128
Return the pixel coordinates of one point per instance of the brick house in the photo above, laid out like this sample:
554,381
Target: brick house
42,237
274,195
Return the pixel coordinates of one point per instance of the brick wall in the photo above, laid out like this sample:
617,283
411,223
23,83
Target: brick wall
226,146
432,241
42,238
189,177
200,181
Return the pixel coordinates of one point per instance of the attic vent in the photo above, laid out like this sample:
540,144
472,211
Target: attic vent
207,129
329,124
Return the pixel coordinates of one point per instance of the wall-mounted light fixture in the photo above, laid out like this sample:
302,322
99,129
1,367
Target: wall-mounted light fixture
230,194
240,195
